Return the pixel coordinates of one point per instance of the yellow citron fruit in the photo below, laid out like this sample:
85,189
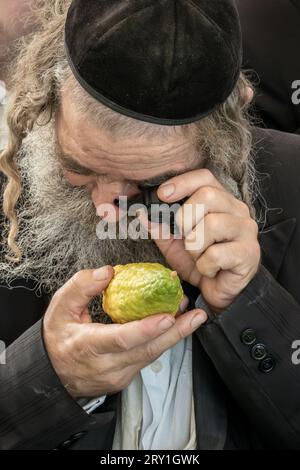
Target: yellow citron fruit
138,290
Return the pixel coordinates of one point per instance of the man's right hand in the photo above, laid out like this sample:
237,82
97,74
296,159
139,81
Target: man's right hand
94,359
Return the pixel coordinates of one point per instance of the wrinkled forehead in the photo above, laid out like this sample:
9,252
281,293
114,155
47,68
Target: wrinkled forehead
89,145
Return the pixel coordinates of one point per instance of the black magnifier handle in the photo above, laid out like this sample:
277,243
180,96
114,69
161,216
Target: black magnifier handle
149,198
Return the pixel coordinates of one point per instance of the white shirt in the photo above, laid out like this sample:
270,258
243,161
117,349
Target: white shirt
157,411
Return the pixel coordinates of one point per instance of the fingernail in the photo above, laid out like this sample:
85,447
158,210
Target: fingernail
166,323
101,274
197,321
167,190
184,304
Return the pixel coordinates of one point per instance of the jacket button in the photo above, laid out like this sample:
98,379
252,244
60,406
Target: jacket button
248,337
259,352
267,365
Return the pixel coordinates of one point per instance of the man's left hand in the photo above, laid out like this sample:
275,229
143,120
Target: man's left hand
229,256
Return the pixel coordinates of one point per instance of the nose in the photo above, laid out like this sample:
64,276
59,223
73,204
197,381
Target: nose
105,196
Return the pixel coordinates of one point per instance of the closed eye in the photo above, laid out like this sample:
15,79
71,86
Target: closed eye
80,172
70,165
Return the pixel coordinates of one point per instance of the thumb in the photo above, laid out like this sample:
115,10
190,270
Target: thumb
72,299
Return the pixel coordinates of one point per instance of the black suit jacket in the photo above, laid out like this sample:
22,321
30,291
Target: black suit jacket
271,35
241,402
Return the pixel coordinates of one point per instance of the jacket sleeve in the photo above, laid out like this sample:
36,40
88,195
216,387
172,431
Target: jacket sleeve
36,411
250,345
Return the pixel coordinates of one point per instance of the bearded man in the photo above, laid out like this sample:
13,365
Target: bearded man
111,98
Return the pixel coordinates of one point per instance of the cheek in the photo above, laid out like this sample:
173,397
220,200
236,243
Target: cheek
78,180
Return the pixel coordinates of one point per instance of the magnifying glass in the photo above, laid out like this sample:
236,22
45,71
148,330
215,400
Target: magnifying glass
157,210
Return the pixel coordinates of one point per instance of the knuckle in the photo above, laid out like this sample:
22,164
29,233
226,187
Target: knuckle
121,343
241,258
181,331
90,351
207,194
252,226
246,256
212,253
244,209
199,264
152,351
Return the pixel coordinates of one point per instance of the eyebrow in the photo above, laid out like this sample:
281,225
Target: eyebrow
71,165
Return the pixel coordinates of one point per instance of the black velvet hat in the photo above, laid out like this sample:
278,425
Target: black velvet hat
162,61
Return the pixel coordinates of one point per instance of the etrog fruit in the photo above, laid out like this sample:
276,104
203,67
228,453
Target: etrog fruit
139,290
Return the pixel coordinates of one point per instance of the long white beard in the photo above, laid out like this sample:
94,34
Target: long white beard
57,234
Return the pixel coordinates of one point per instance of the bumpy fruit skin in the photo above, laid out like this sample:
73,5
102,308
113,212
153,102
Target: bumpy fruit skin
139,290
